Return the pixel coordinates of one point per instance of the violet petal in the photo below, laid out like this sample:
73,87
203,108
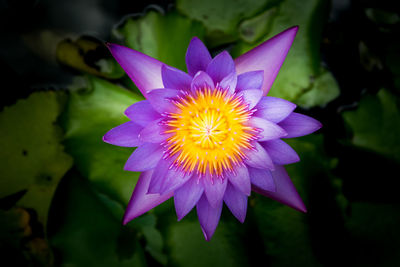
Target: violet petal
187,196
214,188
201,80
154,132
229,82
298,125
175,79
208,216
274,109
268,57
280,152
240,179
250,80
142,113
144,71
220,66
285,191
161,99
197,56
251,97
126,134
236,202
142,202
144,158
166,179
262,179
258,158
268,130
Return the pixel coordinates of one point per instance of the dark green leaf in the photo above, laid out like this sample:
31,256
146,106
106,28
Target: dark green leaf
31,155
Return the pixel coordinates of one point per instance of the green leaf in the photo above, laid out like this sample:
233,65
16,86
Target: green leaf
85,233
31,155
222,18
188,247
90,113
162,36
88,55
376,124
301,73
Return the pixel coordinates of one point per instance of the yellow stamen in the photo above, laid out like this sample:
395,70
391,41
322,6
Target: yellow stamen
209,131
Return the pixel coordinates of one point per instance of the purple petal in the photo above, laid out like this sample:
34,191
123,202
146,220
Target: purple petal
240,179
154,132
268,57
208,216
250,80
262,179
285,191
220,66
274,109
144,71
165,178
214,188
187,196
280,152
258,158
268,130
142,202
124,135
229,82
175,79
251,97
161,100
144,158
197,56
142,113
202,80
236,202
298,125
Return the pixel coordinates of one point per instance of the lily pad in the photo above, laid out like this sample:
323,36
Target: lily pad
84,232
162,36
376,124
90,113
32,156
301,73
222,18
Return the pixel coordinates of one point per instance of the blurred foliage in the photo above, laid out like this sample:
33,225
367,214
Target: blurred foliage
151,34
346,175
91,111
381,130
33,158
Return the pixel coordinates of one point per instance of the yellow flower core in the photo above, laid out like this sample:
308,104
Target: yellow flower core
209,131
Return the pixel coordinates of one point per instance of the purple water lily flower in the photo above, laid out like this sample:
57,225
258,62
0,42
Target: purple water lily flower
210,136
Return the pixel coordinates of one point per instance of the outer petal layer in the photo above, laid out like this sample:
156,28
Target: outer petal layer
274,109
144,158
142,202
236,202
268,57
144,71
187,196
280,152
285,191
175,79
250,80
208,216
142,113
126,134
298,125
221,66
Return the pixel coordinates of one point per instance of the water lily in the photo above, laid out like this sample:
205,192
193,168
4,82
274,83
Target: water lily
210,136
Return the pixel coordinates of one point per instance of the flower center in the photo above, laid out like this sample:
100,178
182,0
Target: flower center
209,131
